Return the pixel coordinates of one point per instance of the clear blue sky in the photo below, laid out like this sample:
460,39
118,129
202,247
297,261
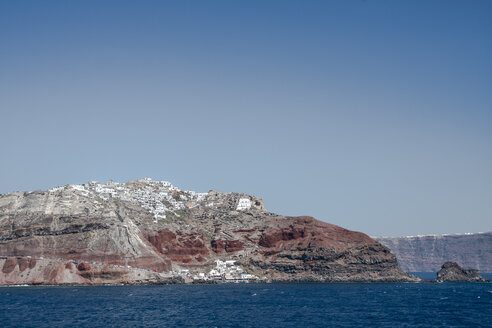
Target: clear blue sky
373,115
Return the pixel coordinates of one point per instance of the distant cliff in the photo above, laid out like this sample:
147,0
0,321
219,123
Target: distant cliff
428,253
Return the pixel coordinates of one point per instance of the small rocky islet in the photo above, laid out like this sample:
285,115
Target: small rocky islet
452,272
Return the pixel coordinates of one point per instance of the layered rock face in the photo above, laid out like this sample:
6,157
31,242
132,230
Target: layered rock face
452,272
28,270
428,253
153,225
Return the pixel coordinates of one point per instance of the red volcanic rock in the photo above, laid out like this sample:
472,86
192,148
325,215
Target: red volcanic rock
179,246
26,263
228,246
162,238
32,263
9,265
83,266
53,271
306,231
182,259
303,248
200,258
50,273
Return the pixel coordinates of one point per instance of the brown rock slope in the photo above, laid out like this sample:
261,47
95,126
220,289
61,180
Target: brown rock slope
152,225
303,248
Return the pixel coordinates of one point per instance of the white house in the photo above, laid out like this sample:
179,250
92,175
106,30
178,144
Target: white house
243,204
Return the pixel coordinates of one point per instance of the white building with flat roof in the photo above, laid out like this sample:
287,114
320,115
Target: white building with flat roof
243,204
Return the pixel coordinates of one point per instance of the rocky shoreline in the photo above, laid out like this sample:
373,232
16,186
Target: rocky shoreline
19,270
32,272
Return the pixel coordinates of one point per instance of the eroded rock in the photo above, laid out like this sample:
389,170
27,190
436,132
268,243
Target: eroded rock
452,272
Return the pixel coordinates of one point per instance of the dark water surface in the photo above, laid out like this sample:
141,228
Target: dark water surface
250,305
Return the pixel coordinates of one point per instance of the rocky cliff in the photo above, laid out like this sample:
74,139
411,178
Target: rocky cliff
154,226
452,272
20,270
428,253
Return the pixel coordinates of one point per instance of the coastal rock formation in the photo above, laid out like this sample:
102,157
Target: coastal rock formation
452,272
152,225
427,253
27,270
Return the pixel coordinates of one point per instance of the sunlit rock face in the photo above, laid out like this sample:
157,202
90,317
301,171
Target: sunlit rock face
428,253
155,226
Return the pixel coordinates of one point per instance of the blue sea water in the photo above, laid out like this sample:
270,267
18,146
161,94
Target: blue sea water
250,305
432,275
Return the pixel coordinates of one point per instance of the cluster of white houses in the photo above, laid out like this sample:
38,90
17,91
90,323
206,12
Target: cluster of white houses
243,204
158,197
150,194
223,271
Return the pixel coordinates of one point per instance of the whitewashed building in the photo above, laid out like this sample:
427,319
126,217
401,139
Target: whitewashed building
243,204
